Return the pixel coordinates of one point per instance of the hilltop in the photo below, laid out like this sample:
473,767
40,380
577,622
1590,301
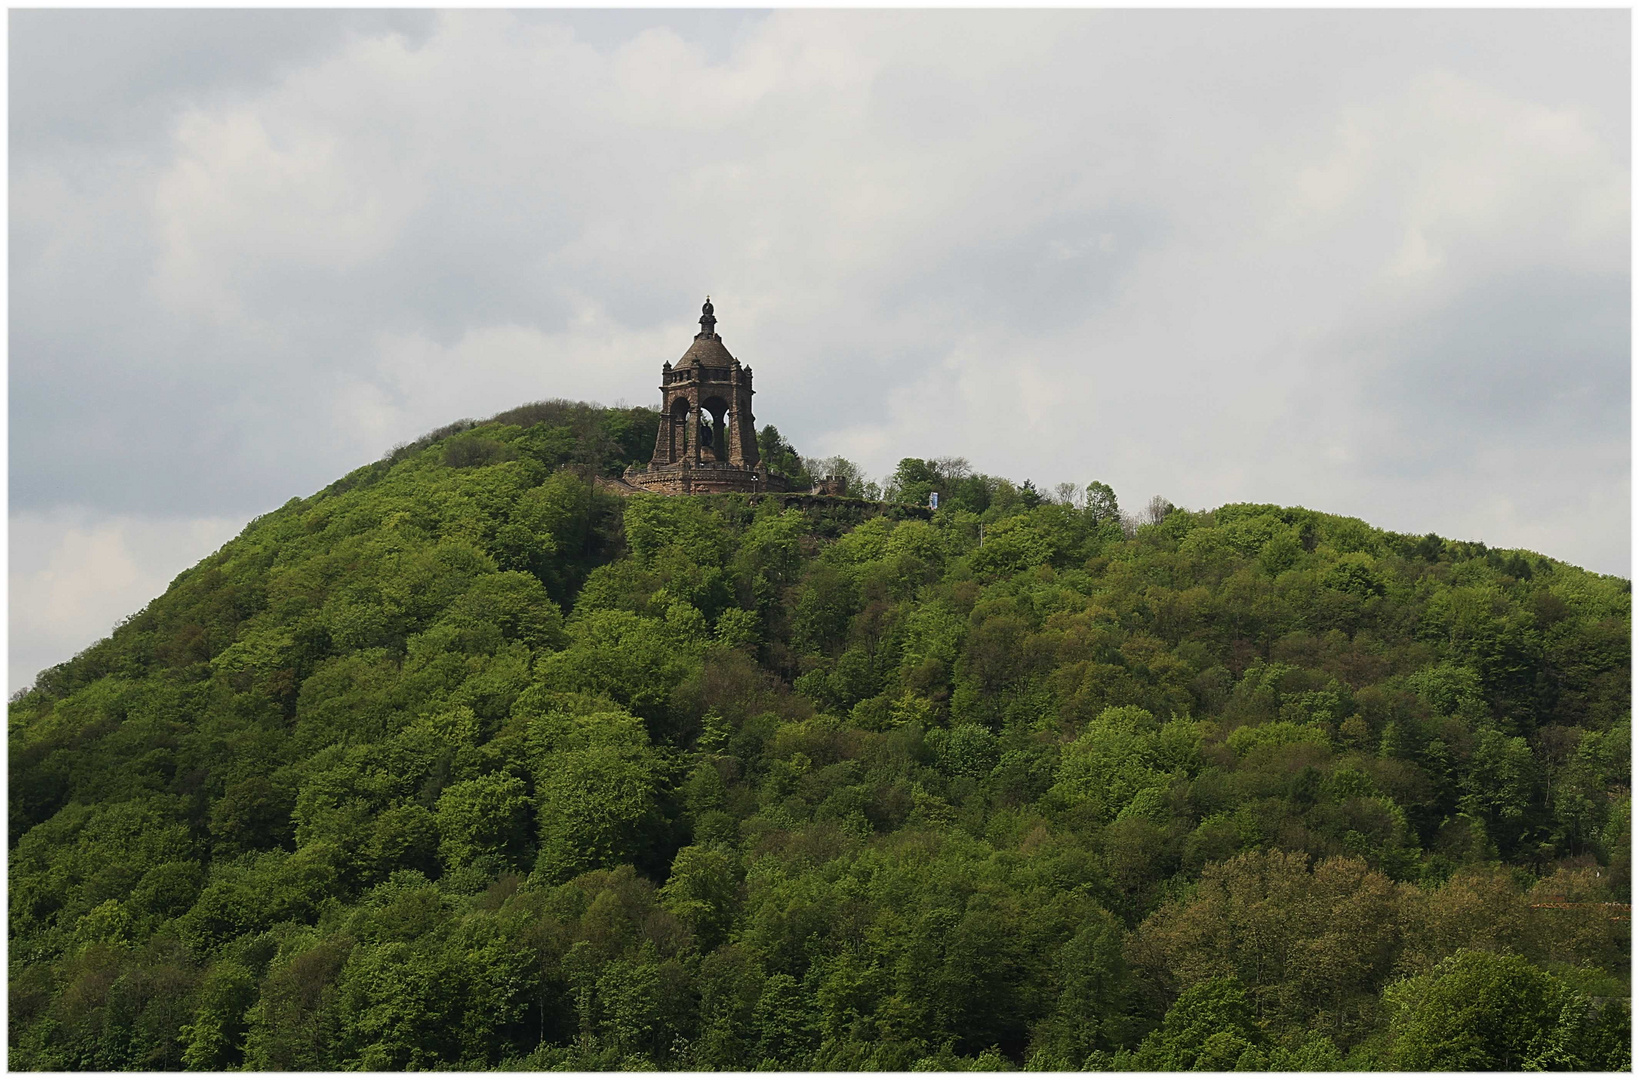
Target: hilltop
464,761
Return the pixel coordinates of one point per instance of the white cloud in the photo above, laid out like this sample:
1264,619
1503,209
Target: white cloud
238,198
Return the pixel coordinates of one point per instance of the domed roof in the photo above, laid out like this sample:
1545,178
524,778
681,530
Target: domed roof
707,349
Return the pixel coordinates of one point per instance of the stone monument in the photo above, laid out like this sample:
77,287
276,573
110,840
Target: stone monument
708,438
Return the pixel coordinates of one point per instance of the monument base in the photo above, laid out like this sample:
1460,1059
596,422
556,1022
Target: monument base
706,478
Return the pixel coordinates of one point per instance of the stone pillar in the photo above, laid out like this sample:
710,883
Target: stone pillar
665,445
734,452
745,425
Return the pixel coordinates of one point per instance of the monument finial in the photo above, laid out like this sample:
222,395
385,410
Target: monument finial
708,321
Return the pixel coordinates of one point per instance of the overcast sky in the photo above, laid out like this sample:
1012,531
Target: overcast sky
1372,263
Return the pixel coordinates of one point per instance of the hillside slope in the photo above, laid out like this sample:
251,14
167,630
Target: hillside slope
463,762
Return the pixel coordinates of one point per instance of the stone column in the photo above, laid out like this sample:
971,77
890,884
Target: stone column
745,424
733,451
694,432
665,440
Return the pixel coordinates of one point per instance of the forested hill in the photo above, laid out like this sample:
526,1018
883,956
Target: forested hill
462,762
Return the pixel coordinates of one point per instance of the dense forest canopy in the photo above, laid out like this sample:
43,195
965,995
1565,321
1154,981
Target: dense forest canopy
465,762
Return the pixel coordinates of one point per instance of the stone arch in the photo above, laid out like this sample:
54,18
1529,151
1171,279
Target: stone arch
677,429
714,429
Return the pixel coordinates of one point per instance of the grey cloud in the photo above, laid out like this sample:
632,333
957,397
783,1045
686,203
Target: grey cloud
112,76
1049,274
717,33
251,250
1539,355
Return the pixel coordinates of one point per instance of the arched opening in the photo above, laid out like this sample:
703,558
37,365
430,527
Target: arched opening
713,431
677,431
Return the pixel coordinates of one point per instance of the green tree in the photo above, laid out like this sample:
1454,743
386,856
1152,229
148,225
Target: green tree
1479,1010
216,1037
781,457
913,480
1101,506
596,785
483,824
1092,1011
703,893
1208,1028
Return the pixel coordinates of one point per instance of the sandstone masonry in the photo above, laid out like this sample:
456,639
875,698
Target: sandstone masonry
708,437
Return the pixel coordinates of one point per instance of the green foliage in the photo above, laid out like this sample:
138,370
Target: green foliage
1211,1027
596,786
1479,1010
216,1038
703,892
463,763
483,823
1107,767
779,456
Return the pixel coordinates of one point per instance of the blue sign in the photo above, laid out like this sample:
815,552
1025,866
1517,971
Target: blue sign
933,500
